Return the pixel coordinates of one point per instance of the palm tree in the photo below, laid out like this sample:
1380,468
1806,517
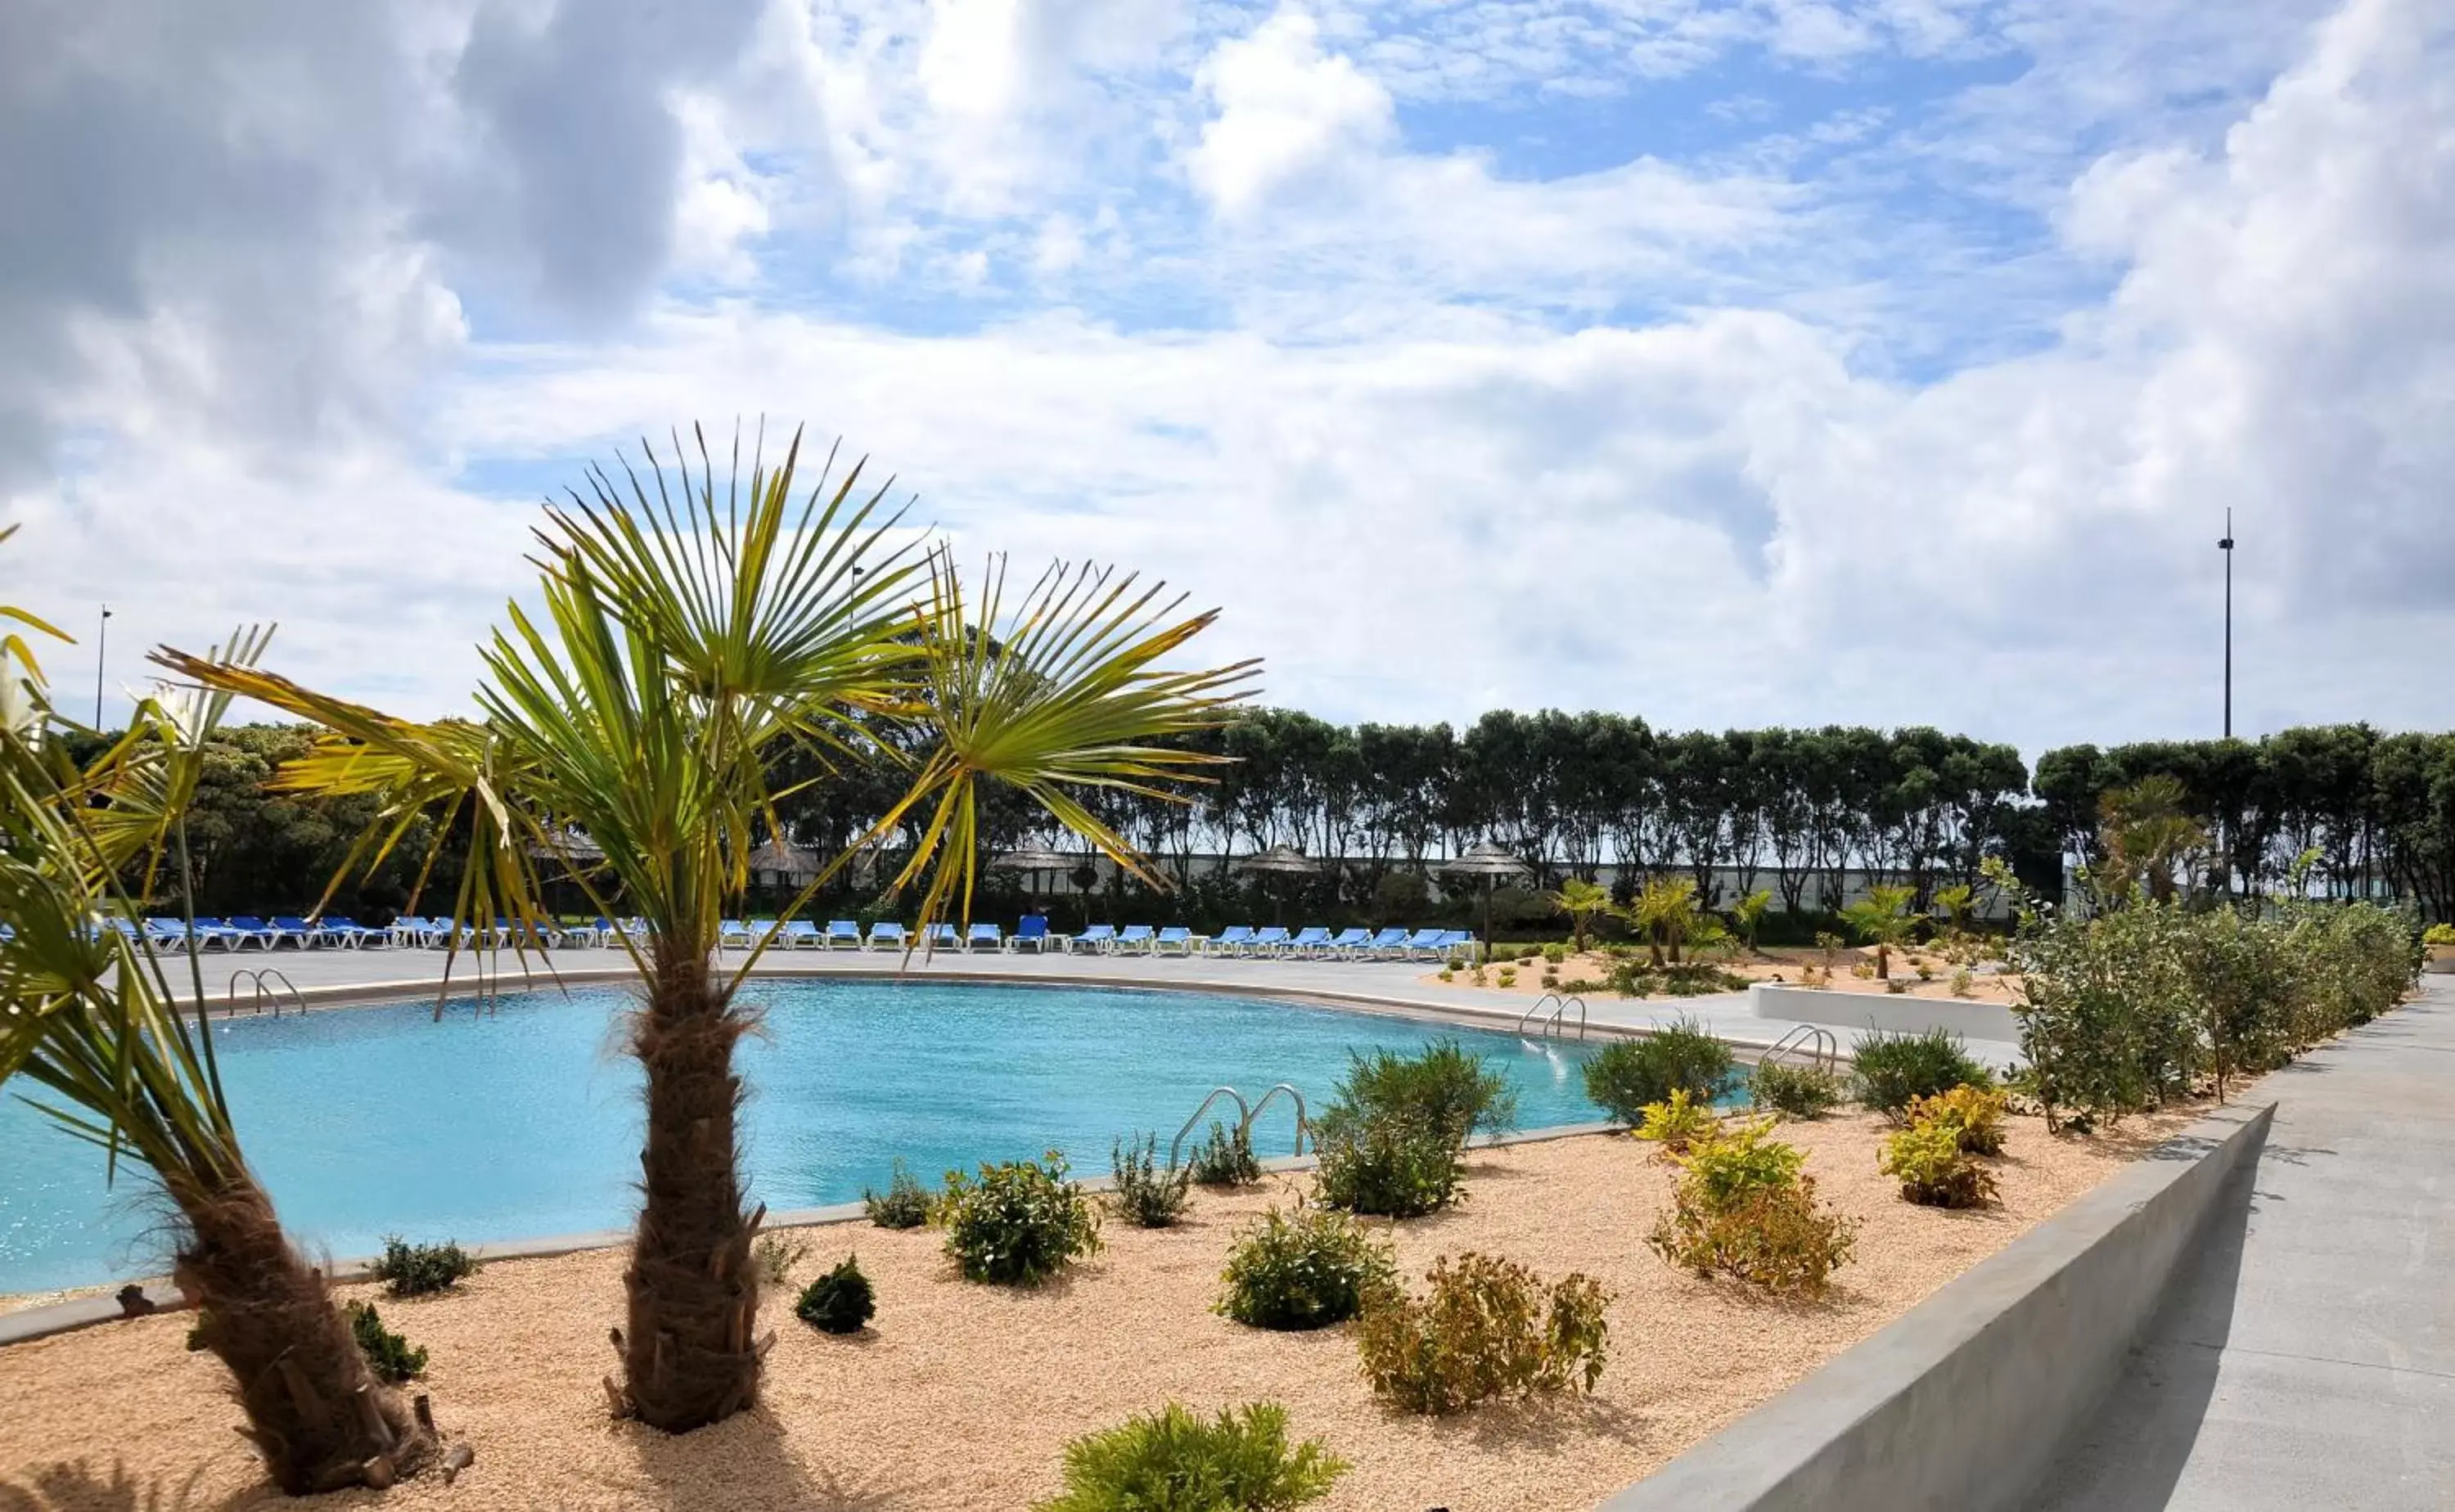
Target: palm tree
1664,911
1581,900
88,1015
1883,920
1747,916
2149,835
694,636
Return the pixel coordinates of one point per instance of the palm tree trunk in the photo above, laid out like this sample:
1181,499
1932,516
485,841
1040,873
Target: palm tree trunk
314,1411
694,1296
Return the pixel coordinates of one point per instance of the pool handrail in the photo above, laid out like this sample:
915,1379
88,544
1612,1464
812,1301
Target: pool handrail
1304,1121
1244,1119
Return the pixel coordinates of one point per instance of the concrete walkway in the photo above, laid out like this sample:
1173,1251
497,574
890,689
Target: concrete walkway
2306,1358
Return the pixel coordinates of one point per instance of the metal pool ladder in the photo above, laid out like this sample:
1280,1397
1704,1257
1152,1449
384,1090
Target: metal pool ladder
1554,1024
1245,1114
1811,1043
262,984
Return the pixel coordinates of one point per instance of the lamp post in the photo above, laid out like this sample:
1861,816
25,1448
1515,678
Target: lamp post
101,646
2225,546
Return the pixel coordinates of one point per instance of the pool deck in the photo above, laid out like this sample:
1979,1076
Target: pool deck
330,975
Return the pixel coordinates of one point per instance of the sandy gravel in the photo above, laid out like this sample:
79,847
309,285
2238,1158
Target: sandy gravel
1783,963
960,1397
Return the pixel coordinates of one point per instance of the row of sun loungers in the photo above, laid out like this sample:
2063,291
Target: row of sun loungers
1315,943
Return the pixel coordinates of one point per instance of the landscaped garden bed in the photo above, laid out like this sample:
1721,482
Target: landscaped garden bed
960,1395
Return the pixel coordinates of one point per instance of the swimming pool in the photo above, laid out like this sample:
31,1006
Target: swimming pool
525,1121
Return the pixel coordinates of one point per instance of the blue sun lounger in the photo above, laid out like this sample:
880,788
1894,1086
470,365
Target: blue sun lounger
1095,938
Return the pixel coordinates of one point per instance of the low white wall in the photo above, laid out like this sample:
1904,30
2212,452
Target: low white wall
1902,1014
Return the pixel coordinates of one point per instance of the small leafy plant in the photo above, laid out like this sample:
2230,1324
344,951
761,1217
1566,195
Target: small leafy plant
1626,1075
1509,975
1146,1193
840,1302
903,1204
1962,984
1676,1123
2439,935
1555,952
1386,1164
1743,1209
1933,1168
1485,1327
392,1358
1795,1090
1171,1461
1895,1070
776,1254
1018,1222
416,1270
1225,1159
1309,1270
1973,1114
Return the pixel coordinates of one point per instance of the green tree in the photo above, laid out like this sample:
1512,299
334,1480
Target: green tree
1882,919
1581,900
691,635
1748,913
1664,913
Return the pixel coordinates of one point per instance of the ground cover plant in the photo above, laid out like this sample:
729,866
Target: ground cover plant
1484,1327
1795,1090
1148,1194
1894,1070
905,1204
1626,1075
1017,1222
1171,1461
840,1302
1744,1208
1307,1269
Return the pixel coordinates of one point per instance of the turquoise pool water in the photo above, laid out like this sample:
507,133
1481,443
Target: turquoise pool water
525,1120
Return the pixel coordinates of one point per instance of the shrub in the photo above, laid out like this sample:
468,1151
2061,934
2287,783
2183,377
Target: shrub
1150,1196
392,1358
1484,1328
1017,1222
1676,1123
1307,1271
1743,1209
415,1270
1973,1114
1509,975
1173,1462
1444,1085
2439,935
1225,1158
1895,1070
1795,1090
903,1204
777,1256
1624,1076
1962,982
1933,1170
1556,953
1398,1167
840,1302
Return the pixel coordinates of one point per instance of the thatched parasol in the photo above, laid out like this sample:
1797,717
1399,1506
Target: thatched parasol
1492,863
1034,859
1280,860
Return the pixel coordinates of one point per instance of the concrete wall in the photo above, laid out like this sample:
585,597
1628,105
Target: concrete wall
1903,1013
1963,1403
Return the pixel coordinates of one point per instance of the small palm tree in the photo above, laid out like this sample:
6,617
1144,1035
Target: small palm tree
1664,912
1581,900
1747,916
1958,905
692,638
1882,919
88,1017
2149,837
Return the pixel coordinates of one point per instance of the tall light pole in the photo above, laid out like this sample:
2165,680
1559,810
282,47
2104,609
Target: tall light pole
2226,546
101,647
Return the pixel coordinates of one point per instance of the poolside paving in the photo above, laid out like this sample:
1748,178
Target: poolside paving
2305,1356
1395,985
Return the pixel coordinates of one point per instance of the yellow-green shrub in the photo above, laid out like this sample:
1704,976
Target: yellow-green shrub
1677,1123
1483,1329
1933,1168
1975,1114
1743,1209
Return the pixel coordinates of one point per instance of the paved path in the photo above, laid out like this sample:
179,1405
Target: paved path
2306,1358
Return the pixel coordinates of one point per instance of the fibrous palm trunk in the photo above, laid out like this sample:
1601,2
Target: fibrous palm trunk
687,1353
314,1411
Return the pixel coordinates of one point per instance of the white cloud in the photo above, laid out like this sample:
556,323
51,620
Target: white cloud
1289,114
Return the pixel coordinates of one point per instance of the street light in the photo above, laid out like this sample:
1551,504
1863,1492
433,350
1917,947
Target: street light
101,646
2226,546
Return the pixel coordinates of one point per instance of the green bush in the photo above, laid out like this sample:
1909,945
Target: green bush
1484,1328
1975,1116
1146,1193
1556,953
415,1270
1225,1159
1795,1090
840,1302
1443,1085
1173,1462
1743,1208
1624,1076
903,1204
1934,1169
1392,1166
1307,1271
391,1357
2439,935
1677,1123
1019,1222
1895,1070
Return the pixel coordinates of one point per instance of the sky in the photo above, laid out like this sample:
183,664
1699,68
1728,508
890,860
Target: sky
1731,364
